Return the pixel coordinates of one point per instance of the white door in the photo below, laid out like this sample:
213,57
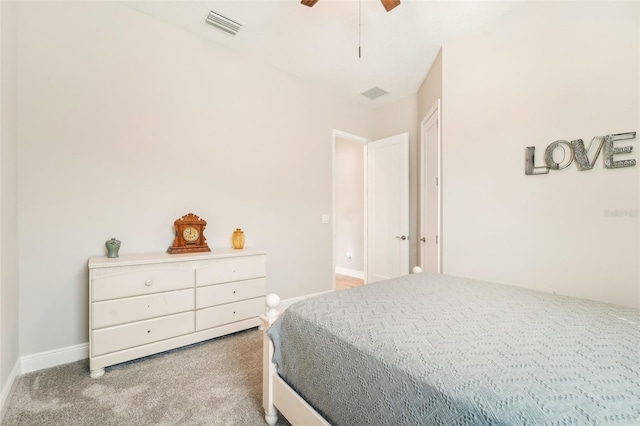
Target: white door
430,194
388,207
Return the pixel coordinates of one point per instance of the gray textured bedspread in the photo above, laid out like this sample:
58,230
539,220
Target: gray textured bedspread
430,349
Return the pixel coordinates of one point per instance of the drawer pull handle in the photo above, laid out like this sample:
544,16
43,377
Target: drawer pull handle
148,283
148,331
234,292
234,312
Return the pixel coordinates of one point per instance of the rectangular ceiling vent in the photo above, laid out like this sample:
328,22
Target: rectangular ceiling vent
374,93
223,23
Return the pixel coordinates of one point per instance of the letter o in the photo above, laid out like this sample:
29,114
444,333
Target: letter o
566,159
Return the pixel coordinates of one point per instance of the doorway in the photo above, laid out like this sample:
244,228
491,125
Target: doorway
371,220
349,210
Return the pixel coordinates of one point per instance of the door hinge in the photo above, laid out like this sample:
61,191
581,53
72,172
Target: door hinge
436,239
436,181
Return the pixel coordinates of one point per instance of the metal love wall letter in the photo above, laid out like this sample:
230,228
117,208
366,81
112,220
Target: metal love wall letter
585,157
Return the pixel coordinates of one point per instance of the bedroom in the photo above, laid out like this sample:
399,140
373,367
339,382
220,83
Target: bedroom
74,141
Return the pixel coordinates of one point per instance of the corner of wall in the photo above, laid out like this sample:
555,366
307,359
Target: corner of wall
7,389
9,285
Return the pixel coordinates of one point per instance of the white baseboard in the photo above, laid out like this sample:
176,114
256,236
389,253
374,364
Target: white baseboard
78,352
54,357
350,272
7,389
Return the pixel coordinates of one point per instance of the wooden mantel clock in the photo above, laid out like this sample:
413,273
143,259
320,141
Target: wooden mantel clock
189,235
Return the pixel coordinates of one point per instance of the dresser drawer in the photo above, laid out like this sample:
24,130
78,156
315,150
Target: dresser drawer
231,312
113,312
228,270
219,294
140,333
140,281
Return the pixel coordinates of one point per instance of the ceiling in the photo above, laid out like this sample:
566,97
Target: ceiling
320,44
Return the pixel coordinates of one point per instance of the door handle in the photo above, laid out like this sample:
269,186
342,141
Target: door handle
402,237
423,239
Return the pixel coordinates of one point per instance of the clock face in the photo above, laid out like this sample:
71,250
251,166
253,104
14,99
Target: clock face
190,234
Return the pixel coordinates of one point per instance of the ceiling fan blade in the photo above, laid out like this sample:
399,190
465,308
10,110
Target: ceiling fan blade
309,2
389,4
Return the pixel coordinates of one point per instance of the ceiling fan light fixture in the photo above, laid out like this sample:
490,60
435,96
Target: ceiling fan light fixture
374,93
309,3
390,4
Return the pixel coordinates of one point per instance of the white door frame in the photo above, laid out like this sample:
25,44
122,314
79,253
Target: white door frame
436,109
335,134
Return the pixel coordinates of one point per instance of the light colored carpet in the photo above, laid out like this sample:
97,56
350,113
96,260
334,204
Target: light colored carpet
218,382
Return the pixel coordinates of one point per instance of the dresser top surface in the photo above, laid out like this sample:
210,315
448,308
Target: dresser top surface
150,258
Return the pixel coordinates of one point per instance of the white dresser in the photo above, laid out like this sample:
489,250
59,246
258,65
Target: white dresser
144,304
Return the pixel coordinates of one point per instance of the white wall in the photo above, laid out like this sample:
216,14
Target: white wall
349,205
127,123
547,71
431,88
8,201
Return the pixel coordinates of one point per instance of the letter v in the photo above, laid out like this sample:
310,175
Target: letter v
582,155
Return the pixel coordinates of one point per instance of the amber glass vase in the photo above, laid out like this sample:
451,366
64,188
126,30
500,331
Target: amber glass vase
238,239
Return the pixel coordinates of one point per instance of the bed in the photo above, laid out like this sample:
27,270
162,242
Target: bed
428,349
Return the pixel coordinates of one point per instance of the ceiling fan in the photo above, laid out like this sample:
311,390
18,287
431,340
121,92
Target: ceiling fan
388,4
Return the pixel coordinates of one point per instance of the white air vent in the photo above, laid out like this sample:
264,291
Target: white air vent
374,93
223,23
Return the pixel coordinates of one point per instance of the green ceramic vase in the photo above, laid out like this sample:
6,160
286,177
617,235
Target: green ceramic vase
113,246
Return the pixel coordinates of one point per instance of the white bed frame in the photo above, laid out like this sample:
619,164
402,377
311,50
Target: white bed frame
276,394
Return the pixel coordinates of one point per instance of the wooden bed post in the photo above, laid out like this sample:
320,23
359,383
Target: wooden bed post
268,367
